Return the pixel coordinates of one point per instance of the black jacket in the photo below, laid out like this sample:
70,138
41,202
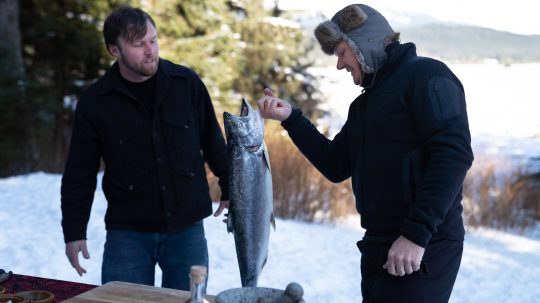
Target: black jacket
406,145
154,177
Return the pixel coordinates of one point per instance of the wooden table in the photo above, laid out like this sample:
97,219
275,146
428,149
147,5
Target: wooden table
116,292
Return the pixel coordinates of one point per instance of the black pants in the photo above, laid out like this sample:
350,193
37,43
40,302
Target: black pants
433,283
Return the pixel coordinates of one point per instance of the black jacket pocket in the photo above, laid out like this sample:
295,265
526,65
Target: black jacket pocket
183,144
412,174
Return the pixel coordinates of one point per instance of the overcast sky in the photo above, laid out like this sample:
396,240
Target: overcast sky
517,16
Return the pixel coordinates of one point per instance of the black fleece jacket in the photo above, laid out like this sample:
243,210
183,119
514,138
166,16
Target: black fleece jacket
155,178
406,145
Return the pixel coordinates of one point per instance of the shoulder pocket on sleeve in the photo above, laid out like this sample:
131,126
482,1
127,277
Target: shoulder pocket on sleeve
446,98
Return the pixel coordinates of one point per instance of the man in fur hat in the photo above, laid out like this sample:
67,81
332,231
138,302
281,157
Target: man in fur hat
406,145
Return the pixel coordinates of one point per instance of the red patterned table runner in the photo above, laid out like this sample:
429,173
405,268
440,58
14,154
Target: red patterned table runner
62,290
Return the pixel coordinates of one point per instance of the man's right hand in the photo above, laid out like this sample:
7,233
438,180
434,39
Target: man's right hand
272,107
72,252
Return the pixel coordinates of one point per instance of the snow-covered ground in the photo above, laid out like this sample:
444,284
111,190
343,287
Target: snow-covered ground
496,267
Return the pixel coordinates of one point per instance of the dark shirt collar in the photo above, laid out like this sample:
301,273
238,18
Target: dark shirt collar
112,79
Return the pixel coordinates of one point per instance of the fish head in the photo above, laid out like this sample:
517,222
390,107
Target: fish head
246,129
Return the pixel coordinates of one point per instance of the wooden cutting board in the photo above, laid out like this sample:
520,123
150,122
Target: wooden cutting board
114,292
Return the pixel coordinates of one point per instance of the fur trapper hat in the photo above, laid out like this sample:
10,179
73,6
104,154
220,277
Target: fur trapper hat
365,30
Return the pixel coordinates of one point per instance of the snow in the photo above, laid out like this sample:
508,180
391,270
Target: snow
496,267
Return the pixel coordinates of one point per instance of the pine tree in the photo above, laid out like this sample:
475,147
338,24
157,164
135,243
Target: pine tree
273,57
63,53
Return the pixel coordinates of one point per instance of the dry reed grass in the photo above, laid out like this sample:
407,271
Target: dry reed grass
499,194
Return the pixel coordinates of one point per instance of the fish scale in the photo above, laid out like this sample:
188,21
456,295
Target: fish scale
250,186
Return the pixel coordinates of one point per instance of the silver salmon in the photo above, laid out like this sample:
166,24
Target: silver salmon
250,184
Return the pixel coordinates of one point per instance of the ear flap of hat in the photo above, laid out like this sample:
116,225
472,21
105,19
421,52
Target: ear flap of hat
329,35
350,17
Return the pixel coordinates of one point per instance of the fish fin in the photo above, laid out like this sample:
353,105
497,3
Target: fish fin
230,225
264,262
273,221
266,158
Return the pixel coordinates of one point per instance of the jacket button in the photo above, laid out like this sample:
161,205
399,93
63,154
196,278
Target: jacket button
130,187
120,142
155,135
191,174
186,126
163,188
168,215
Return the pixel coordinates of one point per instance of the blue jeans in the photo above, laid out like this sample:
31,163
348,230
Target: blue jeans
132,256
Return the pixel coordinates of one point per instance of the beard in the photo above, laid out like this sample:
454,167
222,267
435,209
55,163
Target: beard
146,68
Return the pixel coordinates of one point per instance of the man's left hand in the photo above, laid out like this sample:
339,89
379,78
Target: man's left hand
404,257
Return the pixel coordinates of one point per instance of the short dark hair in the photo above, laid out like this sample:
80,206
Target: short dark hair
127,22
